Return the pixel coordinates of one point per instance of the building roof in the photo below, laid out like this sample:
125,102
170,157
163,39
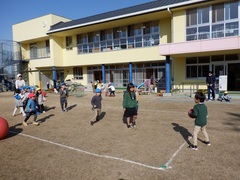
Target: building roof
121,13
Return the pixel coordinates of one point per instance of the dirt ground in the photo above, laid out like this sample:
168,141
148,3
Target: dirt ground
65,146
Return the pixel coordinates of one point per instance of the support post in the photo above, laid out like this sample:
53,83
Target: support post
103,74
54,77
130,72
168,75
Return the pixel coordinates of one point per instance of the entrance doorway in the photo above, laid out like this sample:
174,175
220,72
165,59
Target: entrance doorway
234,77
98,76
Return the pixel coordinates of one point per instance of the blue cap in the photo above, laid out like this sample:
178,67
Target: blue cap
98,90
135,85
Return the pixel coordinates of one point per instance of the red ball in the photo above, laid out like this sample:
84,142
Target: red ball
190,113
4,127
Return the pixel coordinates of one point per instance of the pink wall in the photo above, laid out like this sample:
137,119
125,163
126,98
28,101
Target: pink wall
206,45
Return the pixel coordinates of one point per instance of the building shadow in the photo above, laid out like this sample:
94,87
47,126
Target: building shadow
14,130
183,131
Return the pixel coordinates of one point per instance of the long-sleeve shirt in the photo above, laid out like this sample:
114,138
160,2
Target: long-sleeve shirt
31,106
211,80
129,100
63,93
19,83
97,101
200,112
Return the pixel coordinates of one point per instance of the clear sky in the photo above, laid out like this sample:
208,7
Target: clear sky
16,11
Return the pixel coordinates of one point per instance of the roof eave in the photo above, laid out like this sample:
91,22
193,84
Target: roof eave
126,15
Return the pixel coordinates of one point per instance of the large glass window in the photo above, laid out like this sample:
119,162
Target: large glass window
124,37
77,73
224,21
198,67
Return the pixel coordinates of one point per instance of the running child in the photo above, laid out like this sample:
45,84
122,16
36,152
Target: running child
31,110
40,99
19,95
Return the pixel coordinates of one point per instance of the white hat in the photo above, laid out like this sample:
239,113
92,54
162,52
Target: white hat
18,75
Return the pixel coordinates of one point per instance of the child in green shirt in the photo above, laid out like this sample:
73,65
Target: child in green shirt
200,113
130,105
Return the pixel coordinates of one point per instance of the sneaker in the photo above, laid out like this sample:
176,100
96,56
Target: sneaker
24,123
207,143
134,124
13,115
129,126
91,123
35,123
193,147
24,115
44,112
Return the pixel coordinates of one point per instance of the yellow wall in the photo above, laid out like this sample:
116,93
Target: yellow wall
122,56
35,28
165,31
56,47
179,26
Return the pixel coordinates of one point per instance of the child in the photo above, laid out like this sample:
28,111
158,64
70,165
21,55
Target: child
201,113
19,95
31,109
96,105
25,99
111,90
137,94
40,99
129,105
63,97
225,97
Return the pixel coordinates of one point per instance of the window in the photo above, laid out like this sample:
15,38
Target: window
217,13
33,51
69,45
197,67
203,15
77,73
124,37
47,44
224,21
231,10
191,17
82,43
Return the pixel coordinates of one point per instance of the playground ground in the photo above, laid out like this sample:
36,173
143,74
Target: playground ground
65,146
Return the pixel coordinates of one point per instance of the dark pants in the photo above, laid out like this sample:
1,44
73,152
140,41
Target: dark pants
29,114
40,108
211,89
63,102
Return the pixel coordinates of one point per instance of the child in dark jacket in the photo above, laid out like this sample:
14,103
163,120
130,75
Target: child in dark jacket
96,103
31,109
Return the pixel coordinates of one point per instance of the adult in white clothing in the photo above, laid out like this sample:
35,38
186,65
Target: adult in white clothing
19,83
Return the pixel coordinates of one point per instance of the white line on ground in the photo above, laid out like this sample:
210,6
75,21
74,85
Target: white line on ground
93,154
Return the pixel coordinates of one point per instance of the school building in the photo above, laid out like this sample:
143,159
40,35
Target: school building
173,42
